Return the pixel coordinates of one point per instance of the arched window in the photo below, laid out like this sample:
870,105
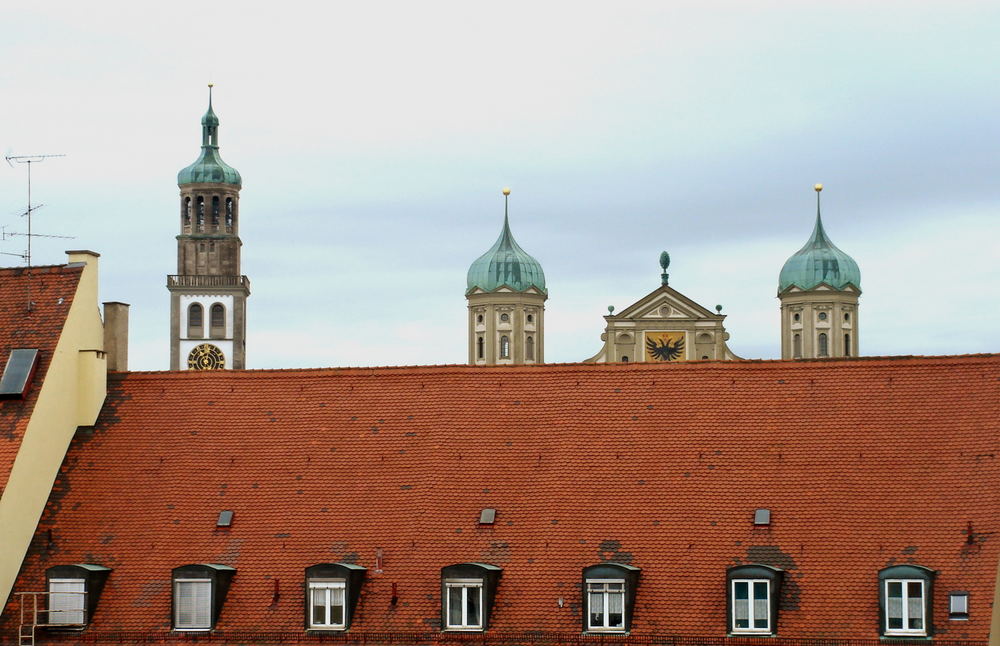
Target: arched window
531,318
218,321
824,346
847,345
186,211
529,348
504,347
797,346
229,213
196,322
215,211
201,213
624,358
479,348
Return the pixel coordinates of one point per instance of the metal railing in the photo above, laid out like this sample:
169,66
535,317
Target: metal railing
38,607
200,280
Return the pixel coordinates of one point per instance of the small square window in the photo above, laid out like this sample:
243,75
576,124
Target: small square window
225,519
487,516
958,605
762,517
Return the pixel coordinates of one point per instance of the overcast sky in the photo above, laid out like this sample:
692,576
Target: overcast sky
374,138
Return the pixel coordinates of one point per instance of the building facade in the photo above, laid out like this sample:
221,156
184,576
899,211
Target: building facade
208,294
664,325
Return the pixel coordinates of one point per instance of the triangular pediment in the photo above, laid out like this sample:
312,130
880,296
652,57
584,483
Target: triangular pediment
666,303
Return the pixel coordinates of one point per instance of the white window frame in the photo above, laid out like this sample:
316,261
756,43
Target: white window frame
177,606
329,585
64,614
606,593
465,585
905,630
751,600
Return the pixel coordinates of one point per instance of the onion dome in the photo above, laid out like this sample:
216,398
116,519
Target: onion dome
819,262
506,264
209,167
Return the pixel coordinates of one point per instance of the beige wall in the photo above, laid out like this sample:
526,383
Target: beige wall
518,306
71,395
840,323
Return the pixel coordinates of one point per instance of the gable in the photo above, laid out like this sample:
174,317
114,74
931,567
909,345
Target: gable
666,303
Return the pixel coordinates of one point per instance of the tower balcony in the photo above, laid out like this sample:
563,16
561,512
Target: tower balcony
182,281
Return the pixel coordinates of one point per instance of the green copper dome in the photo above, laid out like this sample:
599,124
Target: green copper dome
819,261
209,166
506,263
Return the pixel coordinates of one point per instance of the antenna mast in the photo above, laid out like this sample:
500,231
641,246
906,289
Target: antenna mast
29,160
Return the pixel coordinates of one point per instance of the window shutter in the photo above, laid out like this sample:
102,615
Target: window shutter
66,601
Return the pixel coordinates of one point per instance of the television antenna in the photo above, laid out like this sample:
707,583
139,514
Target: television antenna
28,160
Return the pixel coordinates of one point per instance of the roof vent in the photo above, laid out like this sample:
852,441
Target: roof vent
225,519
487,516
762,517
17,375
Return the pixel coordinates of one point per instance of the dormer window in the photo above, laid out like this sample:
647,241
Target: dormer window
333,592
905,600
609,597
753,592
73,593
199,592
467,594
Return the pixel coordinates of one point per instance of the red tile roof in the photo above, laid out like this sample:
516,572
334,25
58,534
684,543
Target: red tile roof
864,463
51,289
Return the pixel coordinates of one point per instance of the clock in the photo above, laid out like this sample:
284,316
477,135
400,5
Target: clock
206,357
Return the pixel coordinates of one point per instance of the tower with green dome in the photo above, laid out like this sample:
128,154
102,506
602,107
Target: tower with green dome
819,288
506,295
208,293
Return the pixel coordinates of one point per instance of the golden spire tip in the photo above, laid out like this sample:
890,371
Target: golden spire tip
506,190
818,188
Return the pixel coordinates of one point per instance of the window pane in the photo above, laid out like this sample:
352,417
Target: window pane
455,606
596,608
472,606
760,609
203,604
337,614
616,607
894,605
318,606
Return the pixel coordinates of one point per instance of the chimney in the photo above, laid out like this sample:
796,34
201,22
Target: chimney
116,335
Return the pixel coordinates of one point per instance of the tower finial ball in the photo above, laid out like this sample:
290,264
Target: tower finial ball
506,190
818,187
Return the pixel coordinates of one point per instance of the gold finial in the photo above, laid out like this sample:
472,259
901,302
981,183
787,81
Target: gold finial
211,85
818,188
506,190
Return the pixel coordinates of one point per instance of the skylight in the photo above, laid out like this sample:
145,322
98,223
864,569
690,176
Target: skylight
17,375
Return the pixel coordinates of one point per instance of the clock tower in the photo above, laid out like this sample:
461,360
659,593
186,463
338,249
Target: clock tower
208,294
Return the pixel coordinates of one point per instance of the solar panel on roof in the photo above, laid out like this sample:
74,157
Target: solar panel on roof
487,516
225,518
17,375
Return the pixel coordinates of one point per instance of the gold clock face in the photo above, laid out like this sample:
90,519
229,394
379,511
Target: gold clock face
206,357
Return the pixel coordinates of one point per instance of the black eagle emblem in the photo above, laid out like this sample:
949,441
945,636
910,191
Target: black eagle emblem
667,350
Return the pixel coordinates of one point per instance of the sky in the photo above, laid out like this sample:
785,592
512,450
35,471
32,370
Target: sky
374,140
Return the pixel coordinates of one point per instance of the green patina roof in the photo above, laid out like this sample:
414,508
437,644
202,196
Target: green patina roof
819,261
209,166
506,263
